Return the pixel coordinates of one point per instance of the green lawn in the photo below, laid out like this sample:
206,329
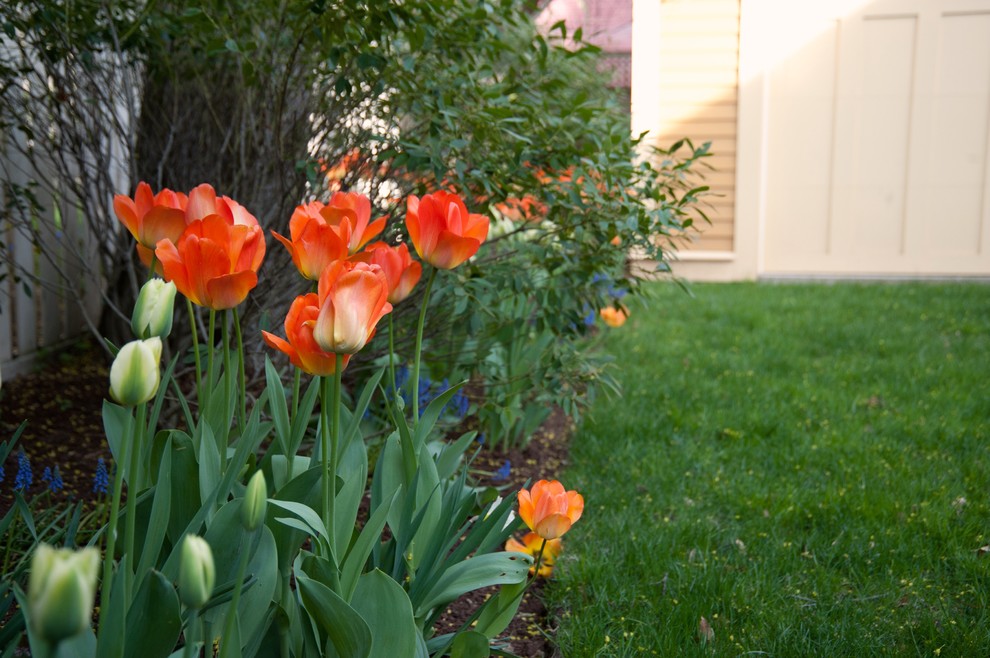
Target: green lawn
805,466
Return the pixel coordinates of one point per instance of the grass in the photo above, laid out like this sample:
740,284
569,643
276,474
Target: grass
807,467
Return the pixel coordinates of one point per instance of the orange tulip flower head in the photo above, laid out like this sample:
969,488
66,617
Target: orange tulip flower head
215,261
614,317
401,271
356,209
314,243
301,348
353,297
151,217
530,545
548,510
443,232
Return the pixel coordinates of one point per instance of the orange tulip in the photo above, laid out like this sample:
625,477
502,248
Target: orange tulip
548,510
615,317
401,271
356,207
151,217
353,297
315,243
530,545
443,232
302,349
216,259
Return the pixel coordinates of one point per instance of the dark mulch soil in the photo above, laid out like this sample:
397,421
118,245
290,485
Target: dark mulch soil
62,400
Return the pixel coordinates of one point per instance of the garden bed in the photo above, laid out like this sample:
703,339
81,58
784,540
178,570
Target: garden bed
61,403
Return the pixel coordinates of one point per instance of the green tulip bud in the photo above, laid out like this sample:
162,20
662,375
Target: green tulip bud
134,375
196,572
153,309
255,502
61,590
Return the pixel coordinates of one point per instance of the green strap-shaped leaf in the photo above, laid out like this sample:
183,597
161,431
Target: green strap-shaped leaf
475,573
158,523
386,609
279,407
153,622
469,644
348,632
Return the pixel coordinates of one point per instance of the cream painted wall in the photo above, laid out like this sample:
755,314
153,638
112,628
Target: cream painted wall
863,142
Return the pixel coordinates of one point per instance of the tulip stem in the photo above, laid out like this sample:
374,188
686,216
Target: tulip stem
241,372
419,345
295,391
111,536
391,356
209,356
132,494
195,629
151,269
227,380
199,366
228,627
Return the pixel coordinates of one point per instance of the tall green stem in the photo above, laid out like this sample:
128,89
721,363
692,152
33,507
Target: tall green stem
199,367
419,345
209,356
241,374
111,536
228,385
132,492
328,475
391,356
228,627
151,268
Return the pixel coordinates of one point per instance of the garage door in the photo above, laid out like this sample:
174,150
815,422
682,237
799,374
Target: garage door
877,137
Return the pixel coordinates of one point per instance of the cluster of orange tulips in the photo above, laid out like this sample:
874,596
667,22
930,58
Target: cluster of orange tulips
211,247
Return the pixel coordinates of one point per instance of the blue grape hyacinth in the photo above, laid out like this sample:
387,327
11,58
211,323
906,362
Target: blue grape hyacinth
24,476
101,479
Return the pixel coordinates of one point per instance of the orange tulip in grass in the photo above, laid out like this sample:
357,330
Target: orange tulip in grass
530,545
443,232
301,348
548,510
215,261
615,317
353,297
401,271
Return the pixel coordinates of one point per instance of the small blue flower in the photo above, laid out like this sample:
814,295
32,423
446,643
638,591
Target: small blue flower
55,484
46,475
460,403
3,473
503,472
24,476
101,479
481,438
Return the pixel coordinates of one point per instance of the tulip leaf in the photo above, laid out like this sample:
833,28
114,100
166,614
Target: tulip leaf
83,644
347,630
304,489
209,462
353,462
185,497
429,417
277,404
158,522
300,420
110,638
386,609
306,514
499,610
117,427
358,554
228,540
153,621
450,455
469,644
361,407
475,573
